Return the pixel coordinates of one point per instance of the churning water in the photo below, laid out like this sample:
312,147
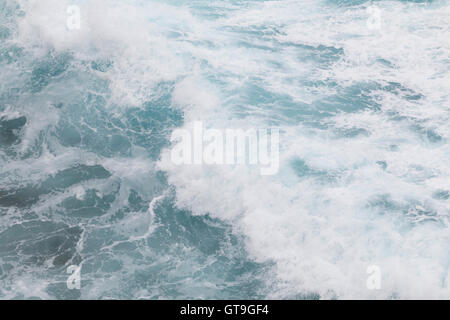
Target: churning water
360,91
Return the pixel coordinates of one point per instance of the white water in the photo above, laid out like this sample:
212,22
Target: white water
364,112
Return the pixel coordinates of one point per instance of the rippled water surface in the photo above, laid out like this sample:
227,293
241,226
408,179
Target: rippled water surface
86,177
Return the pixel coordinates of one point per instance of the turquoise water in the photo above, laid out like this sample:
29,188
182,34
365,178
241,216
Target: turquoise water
86,177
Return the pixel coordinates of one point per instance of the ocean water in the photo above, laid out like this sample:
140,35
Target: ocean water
360,91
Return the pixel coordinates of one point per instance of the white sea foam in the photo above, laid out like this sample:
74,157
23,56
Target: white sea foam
324,230
366,200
